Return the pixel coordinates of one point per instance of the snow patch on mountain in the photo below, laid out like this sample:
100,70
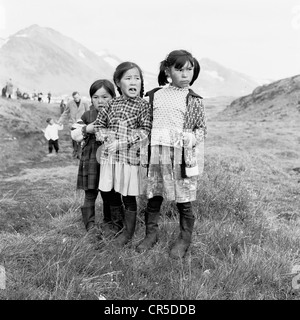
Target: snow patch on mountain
81,54
3,42
24,35
113,62
214,74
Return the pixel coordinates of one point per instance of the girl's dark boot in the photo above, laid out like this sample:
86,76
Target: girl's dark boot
128,230
88,217
117,216
151,222
184,239
107,227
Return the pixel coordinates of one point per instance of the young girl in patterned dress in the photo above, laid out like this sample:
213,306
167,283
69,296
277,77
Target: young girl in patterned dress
101,91
125,125
177,135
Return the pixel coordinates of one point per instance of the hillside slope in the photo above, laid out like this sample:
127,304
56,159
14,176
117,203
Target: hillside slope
22,139
278,100
44,60
216,80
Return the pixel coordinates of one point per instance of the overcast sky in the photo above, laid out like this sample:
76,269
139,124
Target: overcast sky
258,37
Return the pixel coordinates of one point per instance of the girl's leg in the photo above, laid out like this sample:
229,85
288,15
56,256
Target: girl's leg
55,144
88,208
50,146
130,213
130,203
151,221
112,213
184,239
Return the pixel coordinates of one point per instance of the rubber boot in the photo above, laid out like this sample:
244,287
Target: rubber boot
106,212
88,217
128,230
107,227
151,222
117,216
184,239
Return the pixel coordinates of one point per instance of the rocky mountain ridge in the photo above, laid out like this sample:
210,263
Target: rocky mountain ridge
42,59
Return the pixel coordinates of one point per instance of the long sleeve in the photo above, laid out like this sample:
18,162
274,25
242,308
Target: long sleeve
46,134
65,115
102,120
200,129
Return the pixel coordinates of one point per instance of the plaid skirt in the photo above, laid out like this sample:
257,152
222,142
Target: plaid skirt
89,168
164,176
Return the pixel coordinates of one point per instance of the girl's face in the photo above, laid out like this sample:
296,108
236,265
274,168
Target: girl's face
181,78
131,83
100,98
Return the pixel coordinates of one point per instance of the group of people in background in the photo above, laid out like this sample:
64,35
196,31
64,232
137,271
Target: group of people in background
8,91
137,144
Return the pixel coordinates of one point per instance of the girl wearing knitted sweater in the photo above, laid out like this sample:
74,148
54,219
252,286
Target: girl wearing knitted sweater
177,136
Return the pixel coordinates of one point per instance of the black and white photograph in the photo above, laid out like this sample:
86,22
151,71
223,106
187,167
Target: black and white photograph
150,152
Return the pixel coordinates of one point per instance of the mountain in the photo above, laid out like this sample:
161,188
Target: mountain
43,59
217,80
279,99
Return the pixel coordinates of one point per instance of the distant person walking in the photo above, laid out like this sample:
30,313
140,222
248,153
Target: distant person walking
3,93
73,111
9,88
49,97
51,134
34,95
62,106
40,97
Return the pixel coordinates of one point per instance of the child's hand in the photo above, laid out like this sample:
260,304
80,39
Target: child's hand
90,128
113,146
189,139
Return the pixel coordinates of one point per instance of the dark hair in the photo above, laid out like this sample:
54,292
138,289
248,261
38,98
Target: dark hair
103,83
48,120
121,69
74,93
177,58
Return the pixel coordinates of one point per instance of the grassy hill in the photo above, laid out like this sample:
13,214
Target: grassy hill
278,100
246,238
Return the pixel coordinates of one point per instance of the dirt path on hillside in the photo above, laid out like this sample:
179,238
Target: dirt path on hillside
30,188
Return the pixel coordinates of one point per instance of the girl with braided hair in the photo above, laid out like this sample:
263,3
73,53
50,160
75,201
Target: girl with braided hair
176,161
124,125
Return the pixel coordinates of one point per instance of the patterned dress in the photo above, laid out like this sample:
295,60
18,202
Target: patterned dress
127,121
89,168
176,111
